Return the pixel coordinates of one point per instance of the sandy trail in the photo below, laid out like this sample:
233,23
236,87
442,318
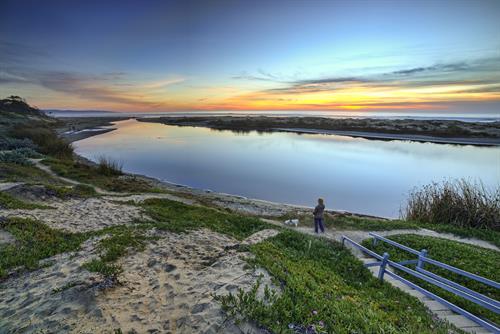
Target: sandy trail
167,288
358,236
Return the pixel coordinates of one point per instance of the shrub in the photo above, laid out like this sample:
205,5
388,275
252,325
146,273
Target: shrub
28,152
15,157
7,143
45,138
109,167
460,203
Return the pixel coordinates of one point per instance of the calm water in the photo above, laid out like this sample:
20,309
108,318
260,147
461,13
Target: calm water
353,174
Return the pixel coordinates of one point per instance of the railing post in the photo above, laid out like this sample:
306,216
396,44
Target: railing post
382,267
374,242
343,241
423,254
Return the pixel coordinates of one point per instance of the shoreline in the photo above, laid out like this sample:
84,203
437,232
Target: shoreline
242,203
390,137
435,131
93,126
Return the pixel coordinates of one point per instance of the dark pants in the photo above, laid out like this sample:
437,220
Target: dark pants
318,222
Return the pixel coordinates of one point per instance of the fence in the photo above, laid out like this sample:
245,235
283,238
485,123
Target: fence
421,273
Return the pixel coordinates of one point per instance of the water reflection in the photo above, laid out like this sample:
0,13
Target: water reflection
352,174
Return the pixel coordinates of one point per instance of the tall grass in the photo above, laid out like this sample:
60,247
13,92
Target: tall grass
45,138
109,167
460,202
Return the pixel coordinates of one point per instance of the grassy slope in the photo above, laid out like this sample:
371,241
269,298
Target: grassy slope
178,217
10,202
10,172
92,175
477,260
325,286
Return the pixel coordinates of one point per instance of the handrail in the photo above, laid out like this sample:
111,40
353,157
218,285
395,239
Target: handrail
394,243
438,263
462,272
483,323
458,286
446,287
434,279
364,249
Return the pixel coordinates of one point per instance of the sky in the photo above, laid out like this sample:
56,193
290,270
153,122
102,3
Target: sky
252,55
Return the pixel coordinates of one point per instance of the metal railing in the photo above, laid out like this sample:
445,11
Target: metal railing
432,278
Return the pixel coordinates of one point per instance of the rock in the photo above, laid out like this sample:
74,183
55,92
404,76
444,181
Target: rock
169,267
152,262
181,321
200,308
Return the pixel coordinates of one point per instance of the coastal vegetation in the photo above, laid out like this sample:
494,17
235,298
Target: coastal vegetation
325,289
474,259
178,217
319,286
10,202
435,128
105,175
34,241
459,203
117,242
109,167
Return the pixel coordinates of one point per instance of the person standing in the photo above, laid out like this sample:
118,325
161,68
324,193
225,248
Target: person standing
318,216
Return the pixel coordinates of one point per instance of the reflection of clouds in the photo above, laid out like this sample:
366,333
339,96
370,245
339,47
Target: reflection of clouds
483,154
357,174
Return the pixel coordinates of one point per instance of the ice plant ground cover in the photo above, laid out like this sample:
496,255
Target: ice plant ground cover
325,289
474,259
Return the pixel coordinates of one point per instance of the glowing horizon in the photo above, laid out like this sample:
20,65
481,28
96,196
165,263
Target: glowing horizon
180,55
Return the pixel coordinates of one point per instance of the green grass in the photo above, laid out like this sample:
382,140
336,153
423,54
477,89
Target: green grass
480,261
34,242
346,222
487,235
79,191
93,175
8,201
10,172
325,286
178,217
119,241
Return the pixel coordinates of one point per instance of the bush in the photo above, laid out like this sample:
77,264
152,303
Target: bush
45,138
460,203
109,167
28,153
15,157
7,143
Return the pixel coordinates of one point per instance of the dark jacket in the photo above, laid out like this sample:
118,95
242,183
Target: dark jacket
318,211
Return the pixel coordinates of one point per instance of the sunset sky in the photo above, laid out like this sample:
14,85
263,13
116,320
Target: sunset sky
252,55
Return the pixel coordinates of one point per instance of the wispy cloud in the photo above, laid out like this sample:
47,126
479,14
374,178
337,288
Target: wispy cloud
434,68
412,87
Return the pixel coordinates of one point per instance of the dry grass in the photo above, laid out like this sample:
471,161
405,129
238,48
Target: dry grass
109,167
460,203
